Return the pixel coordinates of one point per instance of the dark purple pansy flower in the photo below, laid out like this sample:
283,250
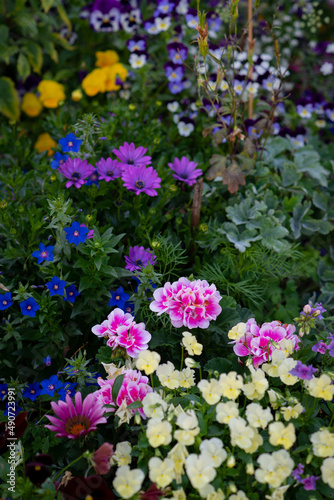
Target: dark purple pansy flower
303,372
128,154
138,258
130,18
185,170
105,15
191,18
141,180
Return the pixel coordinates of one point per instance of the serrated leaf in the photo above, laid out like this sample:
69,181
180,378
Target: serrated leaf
290,175
242,213
308,161
320,200
249,147
299,213
276,145
233,177
242,240
218,165
9,99
116,387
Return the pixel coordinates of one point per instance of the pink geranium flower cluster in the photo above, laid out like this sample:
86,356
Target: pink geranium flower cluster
192,304
134,388
259,342
122,331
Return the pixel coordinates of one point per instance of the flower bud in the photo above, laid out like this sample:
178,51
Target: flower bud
250,468
230,462
307,309
232,487
316,313
137,418
191,363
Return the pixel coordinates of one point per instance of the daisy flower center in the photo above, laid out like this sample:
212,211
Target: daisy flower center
76,175
77,424
44,254
110,173
139,262
140,184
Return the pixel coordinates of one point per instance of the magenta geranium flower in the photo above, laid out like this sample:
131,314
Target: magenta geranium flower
76,171
128,154
109,169
138,258
110,327
141,180
75,420
185,170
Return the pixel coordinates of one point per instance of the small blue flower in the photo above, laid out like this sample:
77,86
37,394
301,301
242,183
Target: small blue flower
59,160
5,301
118,298
67,389
10,409
29,307
44,253
32,391
49,386
70,143
129,307
47,360
3,391
93,179
76,234
93,376
71,293
56,286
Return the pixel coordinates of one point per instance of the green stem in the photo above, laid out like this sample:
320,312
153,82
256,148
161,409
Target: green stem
182,355
152,384
67,466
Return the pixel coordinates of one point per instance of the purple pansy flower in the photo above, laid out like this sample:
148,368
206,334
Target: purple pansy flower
185,170
175,87
320,347
173,72
310,483
191,18
303,372
136,44
105,15
44,253
296,473
108,169
76,171
138,258
141,180
177,52
128,154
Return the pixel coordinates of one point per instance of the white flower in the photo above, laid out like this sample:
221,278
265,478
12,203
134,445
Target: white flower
277,358
185,129
187,420
211,391
199,472
158,432
330,48
213,449
125,94
327,471
161,472
240,495
163,23
257,387
241,434
137,60
274,468
237,331
252,88
148,361
182,7
122,455
153,405
323,443
190,343
173,106
230,384
226,411
187,378
128,482
326,68
257,416
168,376
284,371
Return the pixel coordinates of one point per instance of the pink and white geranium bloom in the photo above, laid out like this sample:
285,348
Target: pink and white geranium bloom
134,388
259,342
192,304
122,331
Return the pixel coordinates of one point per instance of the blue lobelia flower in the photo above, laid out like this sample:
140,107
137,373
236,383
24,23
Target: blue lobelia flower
10,409
70,143
56,286
5,301
67,389
59,160
49,386
129,307
44,253
29,307
3,391
93,179
76,234
32,391
118,298
71,293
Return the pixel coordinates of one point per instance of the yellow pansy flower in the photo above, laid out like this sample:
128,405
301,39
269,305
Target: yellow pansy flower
51,93
31,105
94,82
45,143
107,58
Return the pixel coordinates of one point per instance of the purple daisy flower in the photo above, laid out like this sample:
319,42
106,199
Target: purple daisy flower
128,154
108,169
141,180
139,258
303,371
76,171
185,170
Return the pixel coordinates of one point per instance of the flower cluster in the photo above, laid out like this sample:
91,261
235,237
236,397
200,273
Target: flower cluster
108,76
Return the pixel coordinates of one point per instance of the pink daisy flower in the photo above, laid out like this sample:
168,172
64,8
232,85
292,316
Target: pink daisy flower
109,169
77,171
138,258
128,154
141,180
75,420
185,170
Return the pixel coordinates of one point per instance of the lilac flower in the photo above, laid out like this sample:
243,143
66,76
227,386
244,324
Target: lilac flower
191,18
32,391
29,307
309,483
5,301
173,72
165,7
150,26
136,44
304,111
185,170
77,171
70,143
71,293
296,473
59,159
76,233
56,286
44,253
175,87
47,361
302,371
118,298
138,258
214,21
93,179
128,154
177,52
320,347
141,180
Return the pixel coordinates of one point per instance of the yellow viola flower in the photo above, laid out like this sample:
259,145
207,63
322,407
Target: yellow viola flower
110,75
94,82
158,432
153,405
45,143
327,471
31,105
51,93
226,411
122,455
321,387
281,435
161,472
107,58
211,391
230,385
323,443
148,361
290,412
237,331
190,343
128,482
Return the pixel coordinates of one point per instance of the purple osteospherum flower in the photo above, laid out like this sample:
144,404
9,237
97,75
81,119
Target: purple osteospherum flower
138,258
296,473
49,386
29,307
303,372
76,171
71,293
59,160
141,180
32,391
70,143
118,298
320,347
5,301
47,361
128,154
108,169
310,483
76,233
44,253
185,170
56,286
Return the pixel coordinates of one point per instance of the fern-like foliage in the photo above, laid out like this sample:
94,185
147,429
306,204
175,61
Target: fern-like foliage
170,256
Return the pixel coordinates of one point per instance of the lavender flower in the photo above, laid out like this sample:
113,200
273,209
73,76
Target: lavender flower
177,52
185,170
76,171
128,154
303,372
309,483
296,473
138,258
320,347
141,180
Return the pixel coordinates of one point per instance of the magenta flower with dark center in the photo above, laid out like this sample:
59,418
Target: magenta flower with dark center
109,169
138,258
76,171
128,154
185,170
141,180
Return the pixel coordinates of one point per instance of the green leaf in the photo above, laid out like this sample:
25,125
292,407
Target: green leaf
47,4
299,213
116,387
275,146
290,175
308,161
242,213
35,56
63,15
240,240
4,32
23,66
320,200
135,404
6,52
220,365
9,100
85,282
